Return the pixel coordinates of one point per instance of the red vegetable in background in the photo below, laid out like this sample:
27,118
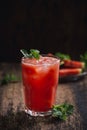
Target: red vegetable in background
68,71
70,67
74,64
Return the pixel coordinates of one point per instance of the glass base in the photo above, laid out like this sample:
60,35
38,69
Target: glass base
33,113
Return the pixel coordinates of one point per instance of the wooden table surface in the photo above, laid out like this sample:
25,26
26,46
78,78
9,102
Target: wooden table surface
13,117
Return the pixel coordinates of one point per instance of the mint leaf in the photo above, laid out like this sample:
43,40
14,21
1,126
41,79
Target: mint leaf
62,111
35,53
63,56
83,58
24,52
8,78
32,53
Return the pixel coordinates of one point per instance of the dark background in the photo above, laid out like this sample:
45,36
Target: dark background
47,25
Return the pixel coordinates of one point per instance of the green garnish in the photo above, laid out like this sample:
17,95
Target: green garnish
8,78
63,56
33,53
84,58
62,111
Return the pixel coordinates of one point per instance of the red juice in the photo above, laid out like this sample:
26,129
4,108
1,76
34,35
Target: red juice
40,80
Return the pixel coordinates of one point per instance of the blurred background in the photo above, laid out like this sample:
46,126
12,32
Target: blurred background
46,25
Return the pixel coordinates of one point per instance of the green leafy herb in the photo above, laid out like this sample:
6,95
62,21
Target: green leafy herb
33,53
24,52
62,111
62,56
8,78
84,58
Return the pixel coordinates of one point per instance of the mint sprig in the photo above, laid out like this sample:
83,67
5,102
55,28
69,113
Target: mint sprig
32,53
8,78
63,56
83,58
62,111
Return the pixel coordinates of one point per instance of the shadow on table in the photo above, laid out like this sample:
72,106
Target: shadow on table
22,121
80,91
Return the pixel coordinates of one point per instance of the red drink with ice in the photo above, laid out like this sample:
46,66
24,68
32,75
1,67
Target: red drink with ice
40,80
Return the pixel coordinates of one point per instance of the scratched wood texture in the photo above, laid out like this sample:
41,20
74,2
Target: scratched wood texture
13,117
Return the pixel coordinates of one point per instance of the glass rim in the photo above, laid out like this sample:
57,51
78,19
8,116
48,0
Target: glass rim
49,55
43,55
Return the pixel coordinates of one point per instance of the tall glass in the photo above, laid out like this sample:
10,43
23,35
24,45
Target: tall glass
40,80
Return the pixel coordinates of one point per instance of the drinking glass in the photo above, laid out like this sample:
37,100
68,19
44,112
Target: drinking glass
40,81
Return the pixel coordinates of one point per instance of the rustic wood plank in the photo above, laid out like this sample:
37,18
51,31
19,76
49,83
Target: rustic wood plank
12,115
